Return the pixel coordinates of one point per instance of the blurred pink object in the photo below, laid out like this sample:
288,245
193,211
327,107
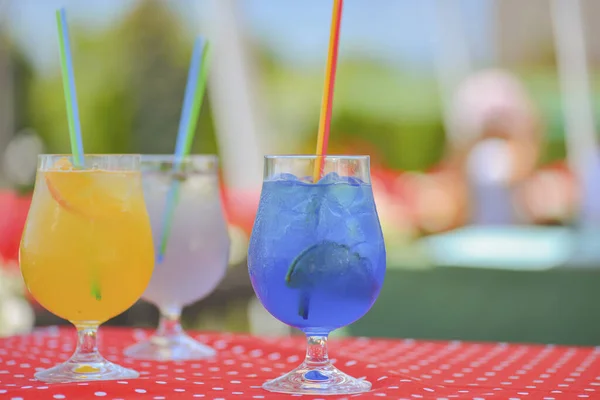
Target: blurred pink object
490,97
494,136
241,207
13,213
551,195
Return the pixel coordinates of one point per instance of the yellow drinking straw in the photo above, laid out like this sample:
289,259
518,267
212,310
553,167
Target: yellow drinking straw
324,125
327,101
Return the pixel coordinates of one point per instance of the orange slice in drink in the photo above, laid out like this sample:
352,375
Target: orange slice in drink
89,193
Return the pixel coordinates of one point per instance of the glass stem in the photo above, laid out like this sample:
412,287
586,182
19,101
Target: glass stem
170,322
87,344
316,351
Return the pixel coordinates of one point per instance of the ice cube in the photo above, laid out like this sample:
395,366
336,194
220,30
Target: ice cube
355,234
338,224
201,185
341,211
334,177
331,177
331,217
290,196
345,193
284,177
154,182
341,192
354,180
294,209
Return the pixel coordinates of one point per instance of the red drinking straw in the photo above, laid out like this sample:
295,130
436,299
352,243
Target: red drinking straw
327,101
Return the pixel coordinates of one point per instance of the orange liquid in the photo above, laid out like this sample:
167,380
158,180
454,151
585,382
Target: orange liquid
86,254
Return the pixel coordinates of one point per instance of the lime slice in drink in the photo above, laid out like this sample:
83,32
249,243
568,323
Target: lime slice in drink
331,265
319,261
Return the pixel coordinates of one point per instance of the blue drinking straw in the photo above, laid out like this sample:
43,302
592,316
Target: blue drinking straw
192,103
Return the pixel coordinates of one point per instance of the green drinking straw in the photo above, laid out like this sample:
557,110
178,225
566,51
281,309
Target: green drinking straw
68,76
192,103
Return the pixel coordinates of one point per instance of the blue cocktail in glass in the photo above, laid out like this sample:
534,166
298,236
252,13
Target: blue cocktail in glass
317,259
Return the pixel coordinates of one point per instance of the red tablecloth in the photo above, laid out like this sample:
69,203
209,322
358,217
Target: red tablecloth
398,369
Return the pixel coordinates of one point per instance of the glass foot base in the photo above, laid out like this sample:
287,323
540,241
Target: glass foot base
72,371
169,348
322,380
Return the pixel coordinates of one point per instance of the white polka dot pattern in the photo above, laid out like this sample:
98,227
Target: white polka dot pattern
398,369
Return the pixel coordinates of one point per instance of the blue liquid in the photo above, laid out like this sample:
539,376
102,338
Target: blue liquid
317,256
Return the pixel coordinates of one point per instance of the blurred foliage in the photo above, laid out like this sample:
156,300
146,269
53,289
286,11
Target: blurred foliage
130,84
131,79
396,112
231,316
542,82
23,79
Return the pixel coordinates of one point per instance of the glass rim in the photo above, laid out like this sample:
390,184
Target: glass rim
92,155
314,156
170,157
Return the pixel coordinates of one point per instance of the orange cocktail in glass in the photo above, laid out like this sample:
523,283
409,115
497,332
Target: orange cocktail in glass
86,253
